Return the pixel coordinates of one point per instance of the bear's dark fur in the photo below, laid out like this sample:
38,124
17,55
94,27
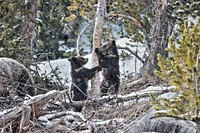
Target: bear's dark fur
80,76
109,60
15,78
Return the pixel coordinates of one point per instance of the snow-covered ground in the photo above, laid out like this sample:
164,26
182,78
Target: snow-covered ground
128,65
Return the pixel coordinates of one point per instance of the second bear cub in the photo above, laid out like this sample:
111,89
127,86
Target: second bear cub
109,60
80,76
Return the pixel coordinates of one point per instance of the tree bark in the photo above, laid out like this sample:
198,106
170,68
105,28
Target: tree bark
97,34
28,25
160,32
36,105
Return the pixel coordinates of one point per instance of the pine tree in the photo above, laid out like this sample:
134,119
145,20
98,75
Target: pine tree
50,27
181,70
11,43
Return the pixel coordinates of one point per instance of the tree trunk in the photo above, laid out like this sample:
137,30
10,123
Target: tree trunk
28,26
100,14
160,32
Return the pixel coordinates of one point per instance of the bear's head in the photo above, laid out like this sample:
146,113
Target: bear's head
107,53
109,48
77,61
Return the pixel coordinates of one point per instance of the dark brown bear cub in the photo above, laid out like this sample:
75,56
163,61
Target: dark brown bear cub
80,76
109,60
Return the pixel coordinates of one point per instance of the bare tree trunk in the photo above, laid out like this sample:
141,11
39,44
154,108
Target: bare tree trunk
100,14
160,32
28,25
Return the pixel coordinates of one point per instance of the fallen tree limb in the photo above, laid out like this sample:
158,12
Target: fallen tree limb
118,98
138,82
36,104
133,53
70,121
149,123
135,21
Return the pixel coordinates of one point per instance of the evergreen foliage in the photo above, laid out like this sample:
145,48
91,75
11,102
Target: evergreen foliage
48,81
56,17
11,43
182,71
139,9
180,10
50,28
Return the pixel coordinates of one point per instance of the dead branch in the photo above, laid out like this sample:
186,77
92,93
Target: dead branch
135,21
26,114
133,53
133,83
116,98
36,104
83,122
61,84
79,37
68,121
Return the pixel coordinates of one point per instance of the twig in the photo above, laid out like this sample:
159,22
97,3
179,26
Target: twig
83,122
37,104
136,22
105,99
135,54
79,89
61,84
79,37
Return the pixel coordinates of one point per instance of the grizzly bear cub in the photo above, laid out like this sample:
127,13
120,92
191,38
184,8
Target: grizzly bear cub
109,60
80,76
15,78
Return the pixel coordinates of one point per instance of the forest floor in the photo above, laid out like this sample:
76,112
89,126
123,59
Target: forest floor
53,112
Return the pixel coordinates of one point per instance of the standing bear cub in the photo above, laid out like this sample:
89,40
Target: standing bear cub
80,76
15,79
109,60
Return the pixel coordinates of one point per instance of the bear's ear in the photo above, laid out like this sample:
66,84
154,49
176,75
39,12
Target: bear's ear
72,59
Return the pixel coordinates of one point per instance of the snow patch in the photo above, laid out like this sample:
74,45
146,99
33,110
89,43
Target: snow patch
128,66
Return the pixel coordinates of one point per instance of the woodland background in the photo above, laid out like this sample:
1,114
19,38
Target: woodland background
33,31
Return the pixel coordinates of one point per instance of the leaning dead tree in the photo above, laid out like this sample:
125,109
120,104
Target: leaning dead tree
99,21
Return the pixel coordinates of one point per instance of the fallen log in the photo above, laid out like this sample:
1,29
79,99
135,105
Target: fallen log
149,123
118,98
40,104
36,104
